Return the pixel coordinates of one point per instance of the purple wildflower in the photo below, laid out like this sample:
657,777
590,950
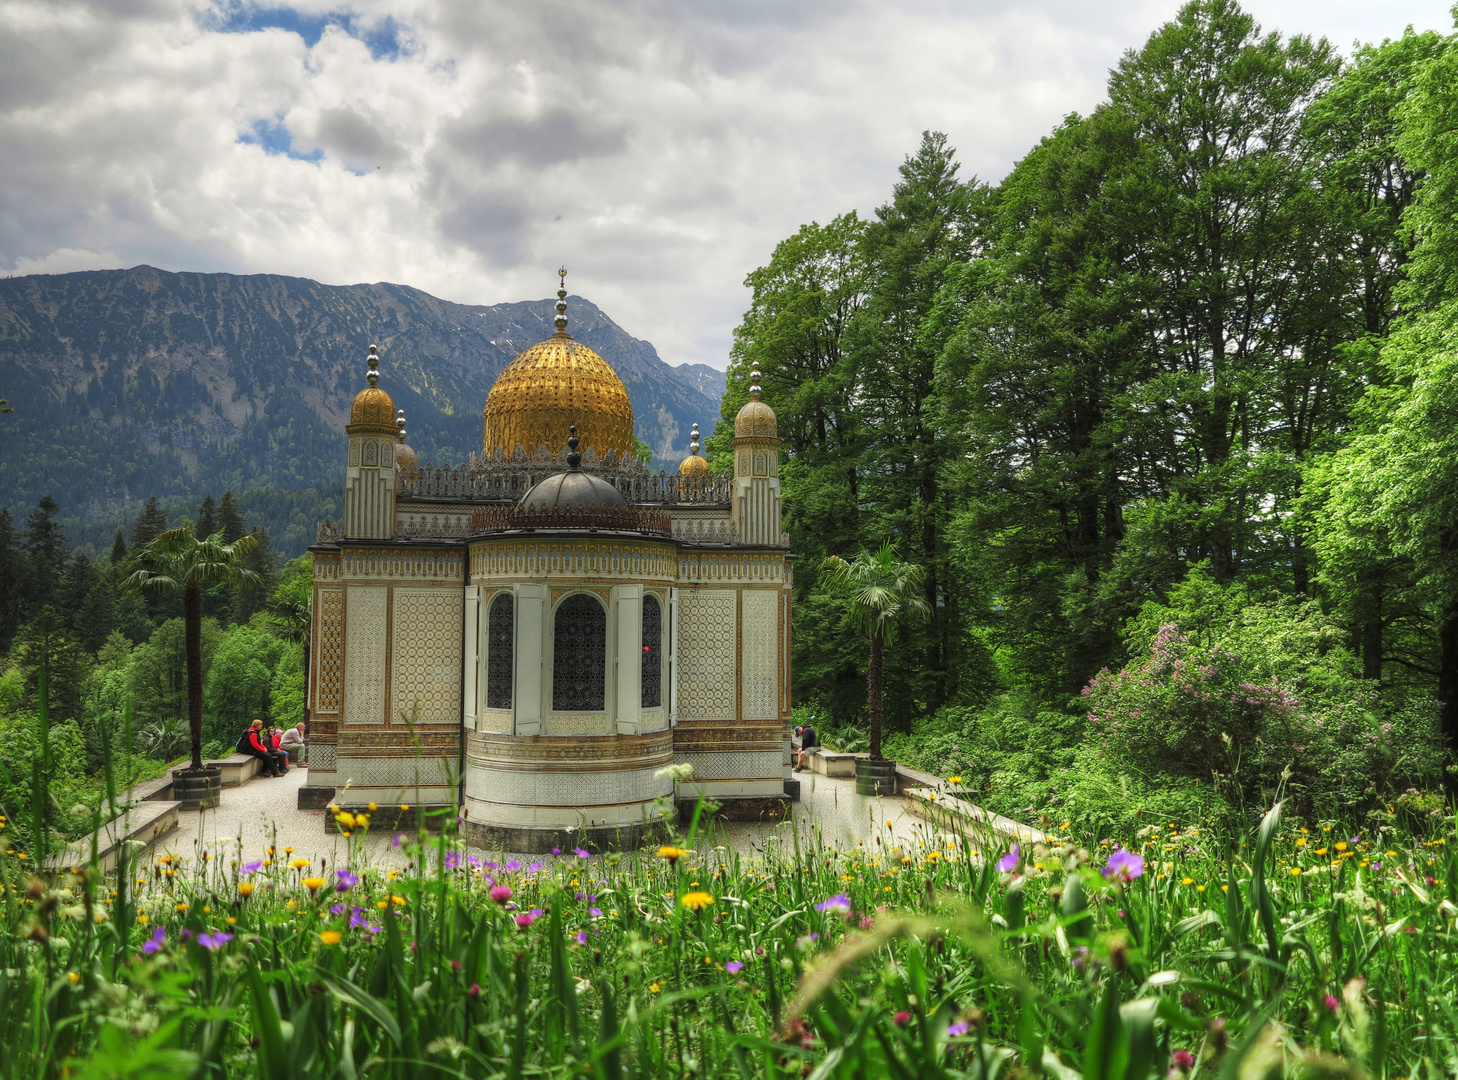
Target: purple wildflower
595,912
512,866
1009,862
253,867
399,839
733,967
338,909
960,1028
347,880
579,853
1124,866
839,904
214,942
155,943
582,937
452,860
556,851
501,893
525,919
534,867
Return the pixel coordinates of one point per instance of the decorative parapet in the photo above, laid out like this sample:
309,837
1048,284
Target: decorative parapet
717,531
637,519
503,479
432,526
328,533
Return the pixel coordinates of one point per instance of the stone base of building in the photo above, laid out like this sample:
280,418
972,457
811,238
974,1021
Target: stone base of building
792,790
315,798
751,808
542,841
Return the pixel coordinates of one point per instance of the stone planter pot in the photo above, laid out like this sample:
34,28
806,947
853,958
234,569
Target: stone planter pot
197,789
875,777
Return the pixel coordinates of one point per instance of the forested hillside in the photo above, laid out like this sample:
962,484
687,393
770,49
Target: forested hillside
1180,392
132,383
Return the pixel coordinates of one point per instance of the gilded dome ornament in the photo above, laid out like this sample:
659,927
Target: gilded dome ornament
404,455
553,385
756,420
693,465
373,408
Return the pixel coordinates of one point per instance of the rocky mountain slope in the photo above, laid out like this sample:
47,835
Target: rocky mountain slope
140,382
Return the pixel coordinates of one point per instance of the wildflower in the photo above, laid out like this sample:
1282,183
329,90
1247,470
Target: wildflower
313,884
398,901
245,888
330,937
653,988
960,1028
214,942
839,904
155,942
501,893
346,881
1009,862
1182,1060
525,919
1123,866
475,992
696,901
579,853
902,1018
1295,871
180,907
866,922
253,867
733,967
581,938
73,977
1333,1004
672,854
595,912
954,779
1187,881
298,864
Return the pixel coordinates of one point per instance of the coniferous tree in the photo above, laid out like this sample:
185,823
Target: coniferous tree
230,519
207,516
45,553
118,552
262,561
150,523
12,575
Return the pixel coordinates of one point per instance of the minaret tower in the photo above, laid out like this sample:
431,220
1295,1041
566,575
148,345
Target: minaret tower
369,487
755,510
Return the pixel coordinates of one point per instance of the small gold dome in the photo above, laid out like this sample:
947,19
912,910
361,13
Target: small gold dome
550,387
693,465
404,455
374,407
756,420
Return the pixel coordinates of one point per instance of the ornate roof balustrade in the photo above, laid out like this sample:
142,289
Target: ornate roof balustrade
638,519
503,479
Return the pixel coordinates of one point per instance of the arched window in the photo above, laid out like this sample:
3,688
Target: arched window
652,652
579,655
500,634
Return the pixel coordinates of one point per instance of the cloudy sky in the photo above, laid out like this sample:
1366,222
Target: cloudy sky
659,148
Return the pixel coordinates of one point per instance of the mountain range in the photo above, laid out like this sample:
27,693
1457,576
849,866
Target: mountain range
133,383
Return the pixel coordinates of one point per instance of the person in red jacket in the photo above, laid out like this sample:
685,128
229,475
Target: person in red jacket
260,745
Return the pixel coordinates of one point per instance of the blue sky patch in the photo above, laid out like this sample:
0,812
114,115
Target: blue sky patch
275,138
385,38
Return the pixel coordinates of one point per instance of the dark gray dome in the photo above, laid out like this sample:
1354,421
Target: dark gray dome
573,489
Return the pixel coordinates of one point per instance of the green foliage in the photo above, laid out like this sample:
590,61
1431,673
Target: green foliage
237,686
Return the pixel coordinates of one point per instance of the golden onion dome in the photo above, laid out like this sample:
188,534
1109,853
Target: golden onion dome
756,420
404,455
693,465
552,386
372,406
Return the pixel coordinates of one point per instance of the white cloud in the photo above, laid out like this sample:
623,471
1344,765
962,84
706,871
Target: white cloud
659,149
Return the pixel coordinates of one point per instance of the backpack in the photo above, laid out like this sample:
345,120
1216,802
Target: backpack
244,746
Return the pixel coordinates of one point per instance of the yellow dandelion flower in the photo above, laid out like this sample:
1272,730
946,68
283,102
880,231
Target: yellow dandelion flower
654,987
1199,888
231,920
696,901
288,851
245,888
1295,871
954,779
73,977
1187,881
344,819
330,937
404,806
181,907
143,920
398,901
671,853
373,808
298,864
313,884
1341,845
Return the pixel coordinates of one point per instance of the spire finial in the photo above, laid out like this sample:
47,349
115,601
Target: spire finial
374,375
754,390
694,446
400,425
561,320
574,459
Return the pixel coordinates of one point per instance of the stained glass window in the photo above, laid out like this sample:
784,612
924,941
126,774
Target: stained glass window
579,655
652,653
500,631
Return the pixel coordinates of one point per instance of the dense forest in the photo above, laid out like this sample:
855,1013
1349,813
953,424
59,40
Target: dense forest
1170,418
114,657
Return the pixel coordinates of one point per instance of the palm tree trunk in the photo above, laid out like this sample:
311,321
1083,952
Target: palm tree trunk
873,691
306,680
192,633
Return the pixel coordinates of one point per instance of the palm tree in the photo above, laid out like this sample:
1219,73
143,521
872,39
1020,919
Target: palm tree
881,589
176,561
291,619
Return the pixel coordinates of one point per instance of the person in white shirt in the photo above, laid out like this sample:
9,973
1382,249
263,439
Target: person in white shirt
293,743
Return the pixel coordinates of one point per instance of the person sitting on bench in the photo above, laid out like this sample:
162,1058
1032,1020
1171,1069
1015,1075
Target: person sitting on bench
255,741
293,743
809,742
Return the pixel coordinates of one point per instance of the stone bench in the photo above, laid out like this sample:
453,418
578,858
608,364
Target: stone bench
939,806
832,763
237,769
142,826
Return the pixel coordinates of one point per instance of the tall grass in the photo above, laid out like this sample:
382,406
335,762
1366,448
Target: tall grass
1213,957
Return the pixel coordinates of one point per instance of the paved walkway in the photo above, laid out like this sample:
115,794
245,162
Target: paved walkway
263,813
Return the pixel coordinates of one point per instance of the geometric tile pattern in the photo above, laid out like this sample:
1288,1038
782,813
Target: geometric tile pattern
427,654
330,662
734,765
706,650
761,654
364,655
